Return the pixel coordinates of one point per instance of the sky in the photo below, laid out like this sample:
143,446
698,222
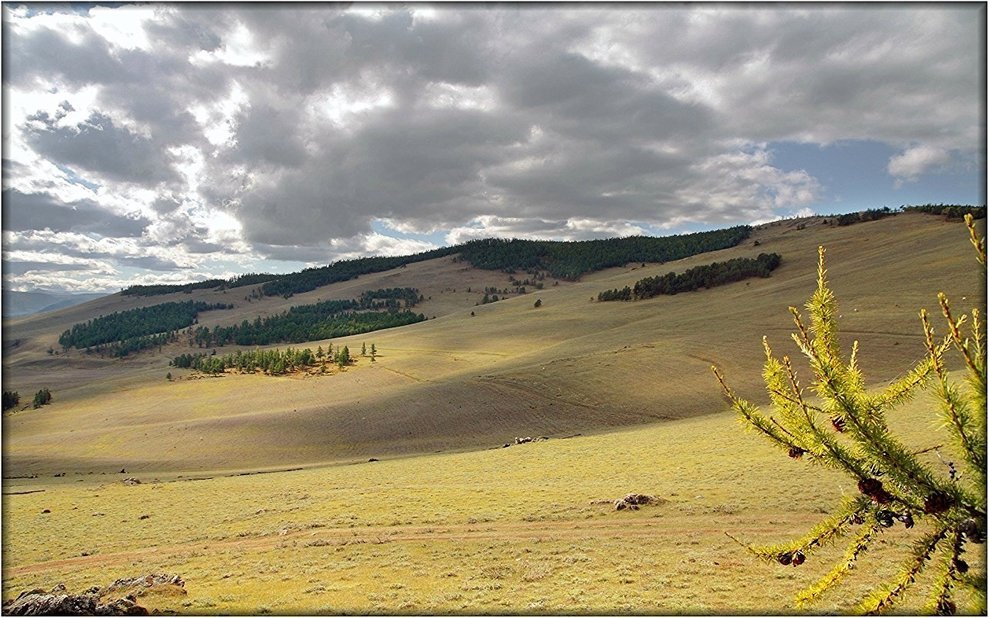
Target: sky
167,143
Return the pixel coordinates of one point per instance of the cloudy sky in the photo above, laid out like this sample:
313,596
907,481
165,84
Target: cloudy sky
170,143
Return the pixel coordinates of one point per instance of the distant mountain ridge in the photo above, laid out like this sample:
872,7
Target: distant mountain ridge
17,304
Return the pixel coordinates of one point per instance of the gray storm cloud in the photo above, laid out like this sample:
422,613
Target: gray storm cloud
306,123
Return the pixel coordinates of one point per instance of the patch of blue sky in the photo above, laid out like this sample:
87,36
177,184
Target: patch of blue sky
76,179
854,175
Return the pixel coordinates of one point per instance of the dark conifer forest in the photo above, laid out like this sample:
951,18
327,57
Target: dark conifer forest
708,276
949,211
271,362
570,260
373,310
124,332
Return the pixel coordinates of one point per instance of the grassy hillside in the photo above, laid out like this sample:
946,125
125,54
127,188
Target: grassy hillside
462,382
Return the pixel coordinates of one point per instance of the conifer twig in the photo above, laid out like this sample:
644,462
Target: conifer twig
885,598
855,549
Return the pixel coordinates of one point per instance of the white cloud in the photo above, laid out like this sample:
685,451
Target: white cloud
216,118
342,105
375,244
746,182
914,161
123,26
488,226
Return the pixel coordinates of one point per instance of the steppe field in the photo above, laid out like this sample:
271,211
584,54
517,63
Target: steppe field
261,494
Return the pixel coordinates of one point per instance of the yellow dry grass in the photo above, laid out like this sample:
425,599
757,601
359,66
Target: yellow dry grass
511,530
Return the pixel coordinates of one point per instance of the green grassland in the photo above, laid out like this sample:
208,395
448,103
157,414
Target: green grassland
447,521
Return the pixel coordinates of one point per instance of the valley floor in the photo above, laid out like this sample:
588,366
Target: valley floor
525,529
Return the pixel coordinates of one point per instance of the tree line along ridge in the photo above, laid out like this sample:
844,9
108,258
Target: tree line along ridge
562,259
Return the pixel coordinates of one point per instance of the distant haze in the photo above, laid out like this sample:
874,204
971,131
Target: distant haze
168,143
27,303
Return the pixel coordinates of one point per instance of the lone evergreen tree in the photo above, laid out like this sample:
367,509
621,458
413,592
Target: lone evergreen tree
42,398
846,430
363,349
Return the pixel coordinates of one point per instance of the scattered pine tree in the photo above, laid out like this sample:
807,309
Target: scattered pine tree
42,398
343,357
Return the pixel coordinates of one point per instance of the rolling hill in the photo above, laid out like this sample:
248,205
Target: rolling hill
475,376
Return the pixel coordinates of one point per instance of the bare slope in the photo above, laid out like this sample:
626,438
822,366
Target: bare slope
462,381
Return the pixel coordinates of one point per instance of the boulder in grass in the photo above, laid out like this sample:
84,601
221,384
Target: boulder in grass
632,502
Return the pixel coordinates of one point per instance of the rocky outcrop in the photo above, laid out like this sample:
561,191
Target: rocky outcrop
58,602
117,599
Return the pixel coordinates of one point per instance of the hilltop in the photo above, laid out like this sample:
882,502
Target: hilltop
458,381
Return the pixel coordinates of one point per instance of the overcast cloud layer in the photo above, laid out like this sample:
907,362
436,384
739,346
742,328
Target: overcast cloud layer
165,143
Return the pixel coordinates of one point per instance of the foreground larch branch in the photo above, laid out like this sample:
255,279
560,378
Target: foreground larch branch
845,429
